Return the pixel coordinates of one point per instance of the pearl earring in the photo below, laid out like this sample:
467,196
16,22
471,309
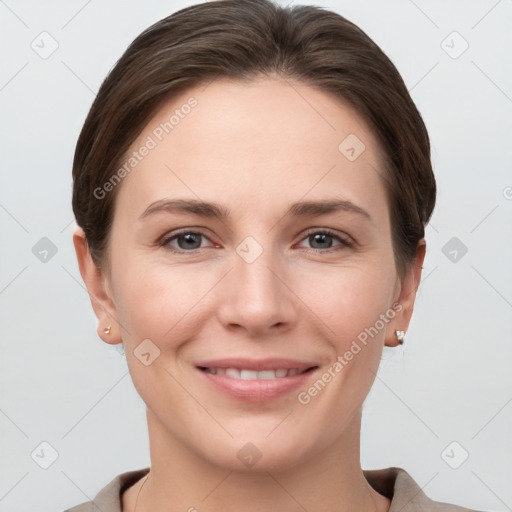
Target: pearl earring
400,335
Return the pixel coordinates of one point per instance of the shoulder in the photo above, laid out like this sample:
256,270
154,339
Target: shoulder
405,494
395,483
108,498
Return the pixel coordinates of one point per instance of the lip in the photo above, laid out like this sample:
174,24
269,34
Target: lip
256,364
257,390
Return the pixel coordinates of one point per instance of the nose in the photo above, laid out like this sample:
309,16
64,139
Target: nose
257,297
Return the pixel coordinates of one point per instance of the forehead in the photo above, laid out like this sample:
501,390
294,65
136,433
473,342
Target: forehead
255,143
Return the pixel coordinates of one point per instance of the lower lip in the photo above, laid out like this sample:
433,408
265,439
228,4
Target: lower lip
257,390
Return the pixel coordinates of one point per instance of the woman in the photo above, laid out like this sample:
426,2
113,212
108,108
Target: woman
251,186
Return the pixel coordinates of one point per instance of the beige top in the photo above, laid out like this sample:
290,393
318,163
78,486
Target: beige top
394,483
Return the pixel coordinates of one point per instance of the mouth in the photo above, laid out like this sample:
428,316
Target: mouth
256,381
247,374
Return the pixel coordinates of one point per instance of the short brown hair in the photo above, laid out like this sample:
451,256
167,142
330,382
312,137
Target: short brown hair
243,40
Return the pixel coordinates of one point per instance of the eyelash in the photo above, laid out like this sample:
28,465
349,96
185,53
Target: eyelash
345,242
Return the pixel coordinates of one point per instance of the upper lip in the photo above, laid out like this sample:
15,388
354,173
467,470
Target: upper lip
256,364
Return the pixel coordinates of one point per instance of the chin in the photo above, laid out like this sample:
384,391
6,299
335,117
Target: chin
257,454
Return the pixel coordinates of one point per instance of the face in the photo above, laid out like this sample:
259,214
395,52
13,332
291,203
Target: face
266,281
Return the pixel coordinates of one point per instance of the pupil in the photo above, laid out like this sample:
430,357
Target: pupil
190,238
319,237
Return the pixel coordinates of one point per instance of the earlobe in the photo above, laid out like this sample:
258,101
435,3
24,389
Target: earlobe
407,295
95,281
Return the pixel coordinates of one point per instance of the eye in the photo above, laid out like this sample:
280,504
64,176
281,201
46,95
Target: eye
322,239
187,241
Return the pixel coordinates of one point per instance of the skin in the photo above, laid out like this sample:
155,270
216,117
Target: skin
255,148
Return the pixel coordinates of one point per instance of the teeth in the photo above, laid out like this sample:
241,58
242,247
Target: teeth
243,374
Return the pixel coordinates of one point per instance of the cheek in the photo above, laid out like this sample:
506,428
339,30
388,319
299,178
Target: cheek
158,301
349,300
157,306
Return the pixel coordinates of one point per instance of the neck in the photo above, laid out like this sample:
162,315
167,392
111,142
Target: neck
180,479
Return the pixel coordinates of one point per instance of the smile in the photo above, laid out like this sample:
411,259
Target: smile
245,374
256,385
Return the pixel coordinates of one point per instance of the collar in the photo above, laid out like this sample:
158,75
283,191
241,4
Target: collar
394,483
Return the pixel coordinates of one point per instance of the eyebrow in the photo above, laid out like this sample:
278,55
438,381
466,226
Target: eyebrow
214,210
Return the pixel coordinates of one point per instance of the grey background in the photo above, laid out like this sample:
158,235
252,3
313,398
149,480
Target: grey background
62,385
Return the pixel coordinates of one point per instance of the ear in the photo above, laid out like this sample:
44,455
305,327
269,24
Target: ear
406,295
98,287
